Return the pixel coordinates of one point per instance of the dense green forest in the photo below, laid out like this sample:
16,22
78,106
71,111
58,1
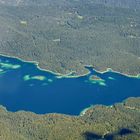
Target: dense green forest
118,122
66,35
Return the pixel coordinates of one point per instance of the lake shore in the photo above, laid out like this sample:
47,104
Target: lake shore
68,75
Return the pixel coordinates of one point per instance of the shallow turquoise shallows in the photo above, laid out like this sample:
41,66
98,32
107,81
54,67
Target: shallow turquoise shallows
24,87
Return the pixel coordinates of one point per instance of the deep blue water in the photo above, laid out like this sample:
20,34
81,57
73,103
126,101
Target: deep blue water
65,95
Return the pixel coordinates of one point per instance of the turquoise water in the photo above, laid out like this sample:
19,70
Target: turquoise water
24,87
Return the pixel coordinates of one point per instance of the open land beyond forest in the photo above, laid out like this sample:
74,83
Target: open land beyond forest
118,122
64,36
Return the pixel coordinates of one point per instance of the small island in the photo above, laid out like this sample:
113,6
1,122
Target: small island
9,66
94,79
37,77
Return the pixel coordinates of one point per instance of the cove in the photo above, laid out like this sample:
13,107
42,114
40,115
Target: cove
24,87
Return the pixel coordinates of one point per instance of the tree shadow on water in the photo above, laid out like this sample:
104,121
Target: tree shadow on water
94,136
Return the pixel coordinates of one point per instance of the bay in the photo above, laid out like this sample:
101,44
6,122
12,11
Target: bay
25,87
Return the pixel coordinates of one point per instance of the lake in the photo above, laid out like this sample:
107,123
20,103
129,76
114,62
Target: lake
24,87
